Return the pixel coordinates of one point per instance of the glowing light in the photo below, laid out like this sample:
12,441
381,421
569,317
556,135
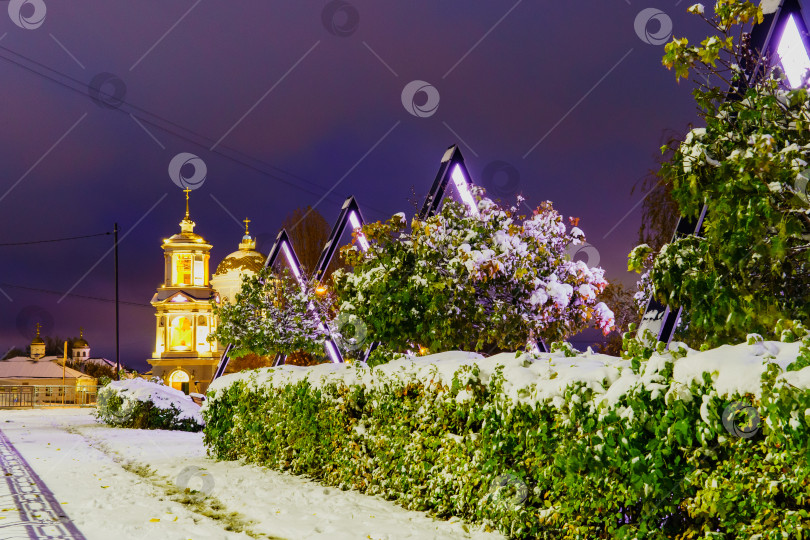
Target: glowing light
792,53
361,238
179,298
320,290
291,261
330,348
423,350
464,190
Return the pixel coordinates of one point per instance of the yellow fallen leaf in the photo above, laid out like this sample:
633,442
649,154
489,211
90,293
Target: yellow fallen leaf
104,487
154,520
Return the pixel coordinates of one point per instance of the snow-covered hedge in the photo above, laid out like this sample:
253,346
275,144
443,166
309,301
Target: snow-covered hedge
657,445
137,403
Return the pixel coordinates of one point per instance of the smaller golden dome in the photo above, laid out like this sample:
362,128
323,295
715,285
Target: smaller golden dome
80,343
37,340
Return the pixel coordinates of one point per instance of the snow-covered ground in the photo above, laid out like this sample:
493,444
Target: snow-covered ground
98,482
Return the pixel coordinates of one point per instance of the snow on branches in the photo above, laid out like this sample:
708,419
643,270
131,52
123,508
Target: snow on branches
457,280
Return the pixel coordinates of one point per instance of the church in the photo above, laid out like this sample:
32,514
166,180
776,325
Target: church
40,370
183,357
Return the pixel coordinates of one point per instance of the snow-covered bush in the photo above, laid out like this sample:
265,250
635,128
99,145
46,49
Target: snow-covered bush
137,403
480,281
656,445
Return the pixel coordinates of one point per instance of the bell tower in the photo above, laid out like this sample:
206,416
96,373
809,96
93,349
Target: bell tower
183,357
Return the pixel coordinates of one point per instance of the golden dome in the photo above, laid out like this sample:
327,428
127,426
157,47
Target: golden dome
37,340
79,343
246,259
243,260
186,235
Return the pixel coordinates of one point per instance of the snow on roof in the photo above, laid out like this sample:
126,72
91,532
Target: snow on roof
734,369
47,367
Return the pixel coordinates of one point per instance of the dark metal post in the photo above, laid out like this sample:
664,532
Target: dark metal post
117,349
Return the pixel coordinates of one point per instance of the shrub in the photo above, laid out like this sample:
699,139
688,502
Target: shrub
484,281
141,404
554,446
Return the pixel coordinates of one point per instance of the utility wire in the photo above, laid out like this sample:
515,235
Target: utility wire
96,298
54,240
197,139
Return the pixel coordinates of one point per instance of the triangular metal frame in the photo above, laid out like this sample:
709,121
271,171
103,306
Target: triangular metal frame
658,318
349,215
283,245
452,165
452,168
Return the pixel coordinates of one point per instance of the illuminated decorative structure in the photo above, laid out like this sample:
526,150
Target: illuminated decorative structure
452,168
349,216
782,38
183,357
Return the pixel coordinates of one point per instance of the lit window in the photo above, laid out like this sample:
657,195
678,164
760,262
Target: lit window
177,378
182,269
199,271
180,334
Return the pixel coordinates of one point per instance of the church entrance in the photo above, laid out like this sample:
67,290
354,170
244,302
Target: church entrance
179,380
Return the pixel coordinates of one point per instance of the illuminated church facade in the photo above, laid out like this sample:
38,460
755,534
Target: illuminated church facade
183,357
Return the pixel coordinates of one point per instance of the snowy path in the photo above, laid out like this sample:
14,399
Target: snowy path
98,477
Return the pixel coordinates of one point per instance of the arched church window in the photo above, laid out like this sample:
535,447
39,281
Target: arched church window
178,379
180,339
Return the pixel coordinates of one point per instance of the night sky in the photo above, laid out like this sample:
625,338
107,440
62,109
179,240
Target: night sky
286,101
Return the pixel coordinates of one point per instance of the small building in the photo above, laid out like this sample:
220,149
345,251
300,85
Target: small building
81,355
41,370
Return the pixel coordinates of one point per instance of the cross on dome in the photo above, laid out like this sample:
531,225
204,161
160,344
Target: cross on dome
187,191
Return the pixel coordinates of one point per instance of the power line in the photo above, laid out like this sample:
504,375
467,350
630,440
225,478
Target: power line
54,240
193,137
84,297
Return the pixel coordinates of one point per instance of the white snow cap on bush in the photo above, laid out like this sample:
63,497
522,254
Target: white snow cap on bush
734,369
163,397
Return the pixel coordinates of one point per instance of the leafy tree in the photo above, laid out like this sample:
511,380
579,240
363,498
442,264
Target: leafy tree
248,361
620,299
273,314
749,165
309,231
14,352
474,282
